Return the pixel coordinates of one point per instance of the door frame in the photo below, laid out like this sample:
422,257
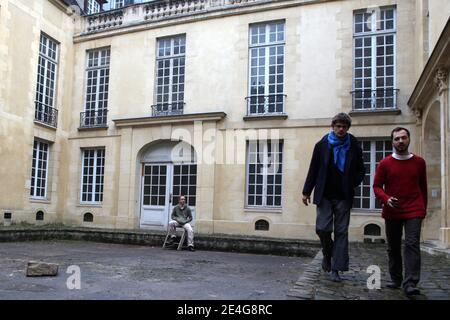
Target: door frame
169,186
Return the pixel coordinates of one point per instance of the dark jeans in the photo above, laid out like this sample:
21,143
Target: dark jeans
394,230
334,213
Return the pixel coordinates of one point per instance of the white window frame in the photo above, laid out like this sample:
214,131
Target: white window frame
98,67
94,176
116,4
42,99
264,144
266,45
373,36
34,165
372,168
191,198
93,7
171,57
42,88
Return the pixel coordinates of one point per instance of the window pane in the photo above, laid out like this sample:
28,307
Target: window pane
266,82
93,175
39,169
373,152
374,70
264,173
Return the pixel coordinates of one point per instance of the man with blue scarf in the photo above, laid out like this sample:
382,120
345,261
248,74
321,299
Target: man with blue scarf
336,168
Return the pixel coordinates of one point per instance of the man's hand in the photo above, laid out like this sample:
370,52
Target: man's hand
393,202
306,199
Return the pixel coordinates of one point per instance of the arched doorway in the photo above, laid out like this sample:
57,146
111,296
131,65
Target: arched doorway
432,155
168,170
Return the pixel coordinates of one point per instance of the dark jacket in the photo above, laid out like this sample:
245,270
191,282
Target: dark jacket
182,216
317,175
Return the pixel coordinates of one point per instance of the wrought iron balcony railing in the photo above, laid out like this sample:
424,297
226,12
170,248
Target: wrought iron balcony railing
167,109
379,99
93,118
45,114
265,104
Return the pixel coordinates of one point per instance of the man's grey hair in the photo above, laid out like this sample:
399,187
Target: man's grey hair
342,118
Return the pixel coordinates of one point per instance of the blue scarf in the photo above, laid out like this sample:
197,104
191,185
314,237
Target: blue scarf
340,148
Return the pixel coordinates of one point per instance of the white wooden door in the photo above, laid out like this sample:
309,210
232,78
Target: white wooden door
155,195
161,186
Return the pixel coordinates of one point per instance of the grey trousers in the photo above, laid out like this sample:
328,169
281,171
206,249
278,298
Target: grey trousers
334,213
411,253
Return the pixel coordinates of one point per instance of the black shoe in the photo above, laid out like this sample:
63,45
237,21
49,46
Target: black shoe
394,285
335,277
326,264
171,240
411,290
191,248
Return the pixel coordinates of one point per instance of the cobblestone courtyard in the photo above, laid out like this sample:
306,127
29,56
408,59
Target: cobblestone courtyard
315,284
113,271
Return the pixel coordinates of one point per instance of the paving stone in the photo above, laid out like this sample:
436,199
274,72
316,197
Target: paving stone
434,284
41,269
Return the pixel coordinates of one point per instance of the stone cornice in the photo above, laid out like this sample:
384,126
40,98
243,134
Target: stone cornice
434,78
147,16
175,119
61,5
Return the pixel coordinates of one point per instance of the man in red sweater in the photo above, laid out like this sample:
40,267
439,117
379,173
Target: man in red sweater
401,185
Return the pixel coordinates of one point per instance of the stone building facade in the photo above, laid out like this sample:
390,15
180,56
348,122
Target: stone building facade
112,109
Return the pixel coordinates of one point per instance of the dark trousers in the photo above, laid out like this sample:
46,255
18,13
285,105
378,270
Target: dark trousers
334,213
394,231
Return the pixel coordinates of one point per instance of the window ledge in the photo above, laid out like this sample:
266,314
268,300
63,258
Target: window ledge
375,112
91,205
263,210
266,117
93,128
368,212
35,200
43,124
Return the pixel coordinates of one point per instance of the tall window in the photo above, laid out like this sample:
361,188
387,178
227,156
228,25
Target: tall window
39,169
115,4
92,6
264,173
170,76
374,60
46,81
93,170
373,152
266,89
97,88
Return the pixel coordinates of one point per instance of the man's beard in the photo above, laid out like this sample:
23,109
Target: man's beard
401,148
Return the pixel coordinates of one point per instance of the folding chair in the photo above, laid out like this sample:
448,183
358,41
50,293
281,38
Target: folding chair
183,236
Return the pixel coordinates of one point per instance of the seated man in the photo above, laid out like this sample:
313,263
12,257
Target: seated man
181,216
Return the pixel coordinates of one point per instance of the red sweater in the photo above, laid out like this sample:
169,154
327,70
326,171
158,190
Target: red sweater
405,180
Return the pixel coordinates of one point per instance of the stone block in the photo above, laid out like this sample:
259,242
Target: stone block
40,269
